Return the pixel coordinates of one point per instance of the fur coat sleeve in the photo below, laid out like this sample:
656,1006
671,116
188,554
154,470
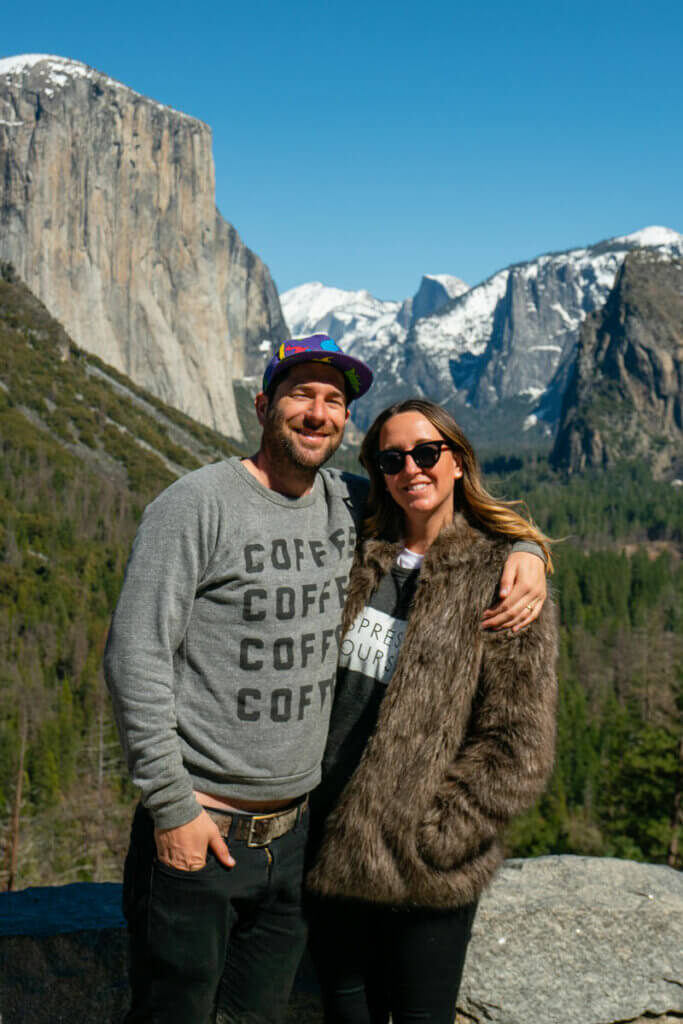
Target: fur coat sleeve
506,755
464,738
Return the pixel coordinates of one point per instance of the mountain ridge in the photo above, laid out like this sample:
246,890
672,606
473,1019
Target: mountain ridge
60,66
501,350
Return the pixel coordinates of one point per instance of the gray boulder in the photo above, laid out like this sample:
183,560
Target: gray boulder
577,940
557,940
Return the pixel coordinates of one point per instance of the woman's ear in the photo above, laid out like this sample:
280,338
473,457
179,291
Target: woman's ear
457,471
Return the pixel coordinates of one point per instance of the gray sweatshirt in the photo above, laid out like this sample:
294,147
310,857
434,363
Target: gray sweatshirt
222,651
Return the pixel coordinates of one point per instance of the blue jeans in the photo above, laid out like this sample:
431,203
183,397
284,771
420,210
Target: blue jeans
233,935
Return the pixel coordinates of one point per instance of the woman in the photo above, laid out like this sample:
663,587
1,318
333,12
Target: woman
440,730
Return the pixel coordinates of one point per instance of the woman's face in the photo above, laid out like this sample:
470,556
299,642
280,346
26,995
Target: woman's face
421,493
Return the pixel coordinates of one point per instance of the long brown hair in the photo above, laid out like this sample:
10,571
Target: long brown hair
385,518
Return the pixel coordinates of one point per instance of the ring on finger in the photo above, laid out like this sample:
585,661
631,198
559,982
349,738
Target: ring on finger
530,607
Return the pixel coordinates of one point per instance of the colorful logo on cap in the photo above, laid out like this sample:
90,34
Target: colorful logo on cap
289,348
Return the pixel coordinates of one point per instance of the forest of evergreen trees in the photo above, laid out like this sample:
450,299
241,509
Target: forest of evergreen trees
65,531
619,586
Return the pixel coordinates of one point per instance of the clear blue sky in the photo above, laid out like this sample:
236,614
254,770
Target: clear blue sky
365,143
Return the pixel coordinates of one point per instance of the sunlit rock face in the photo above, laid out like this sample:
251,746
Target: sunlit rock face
625,394
107,211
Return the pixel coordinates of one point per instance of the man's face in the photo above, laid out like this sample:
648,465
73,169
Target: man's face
304,419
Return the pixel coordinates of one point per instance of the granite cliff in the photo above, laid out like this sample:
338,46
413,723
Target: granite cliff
107,212
625,394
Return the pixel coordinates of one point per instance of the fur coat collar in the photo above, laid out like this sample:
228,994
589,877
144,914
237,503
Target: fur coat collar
464,737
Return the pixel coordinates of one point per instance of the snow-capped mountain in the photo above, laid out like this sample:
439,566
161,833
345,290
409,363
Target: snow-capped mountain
56,72
514,336
315,308
359,316
434,291
497,353
374,329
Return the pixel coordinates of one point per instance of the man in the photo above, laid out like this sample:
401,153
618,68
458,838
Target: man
221,663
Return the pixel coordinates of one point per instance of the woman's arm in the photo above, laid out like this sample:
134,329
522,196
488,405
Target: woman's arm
507,755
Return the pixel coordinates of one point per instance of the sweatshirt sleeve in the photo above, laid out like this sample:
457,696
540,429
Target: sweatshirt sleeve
167,561
503,767
528,546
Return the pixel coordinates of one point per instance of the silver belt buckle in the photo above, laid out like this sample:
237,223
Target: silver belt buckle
253,839
274,826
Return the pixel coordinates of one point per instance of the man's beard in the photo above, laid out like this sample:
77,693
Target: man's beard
281,442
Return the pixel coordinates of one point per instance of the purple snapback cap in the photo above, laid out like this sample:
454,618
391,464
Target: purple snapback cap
319,349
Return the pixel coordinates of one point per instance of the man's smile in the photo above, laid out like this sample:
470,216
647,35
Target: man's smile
310,435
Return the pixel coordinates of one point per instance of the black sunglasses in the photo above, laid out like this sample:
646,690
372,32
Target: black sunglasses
425,455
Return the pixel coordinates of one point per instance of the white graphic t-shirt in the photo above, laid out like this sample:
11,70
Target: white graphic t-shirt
372,644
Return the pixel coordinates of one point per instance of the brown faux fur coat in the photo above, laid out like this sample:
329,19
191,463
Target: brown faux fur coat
464,739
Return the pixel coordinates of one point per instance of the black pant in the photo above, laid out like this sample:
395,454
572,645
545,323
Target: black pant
239,929
373,961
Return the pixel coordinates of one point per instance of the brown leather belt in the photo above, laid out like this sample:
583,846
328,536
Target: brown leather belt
257,829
